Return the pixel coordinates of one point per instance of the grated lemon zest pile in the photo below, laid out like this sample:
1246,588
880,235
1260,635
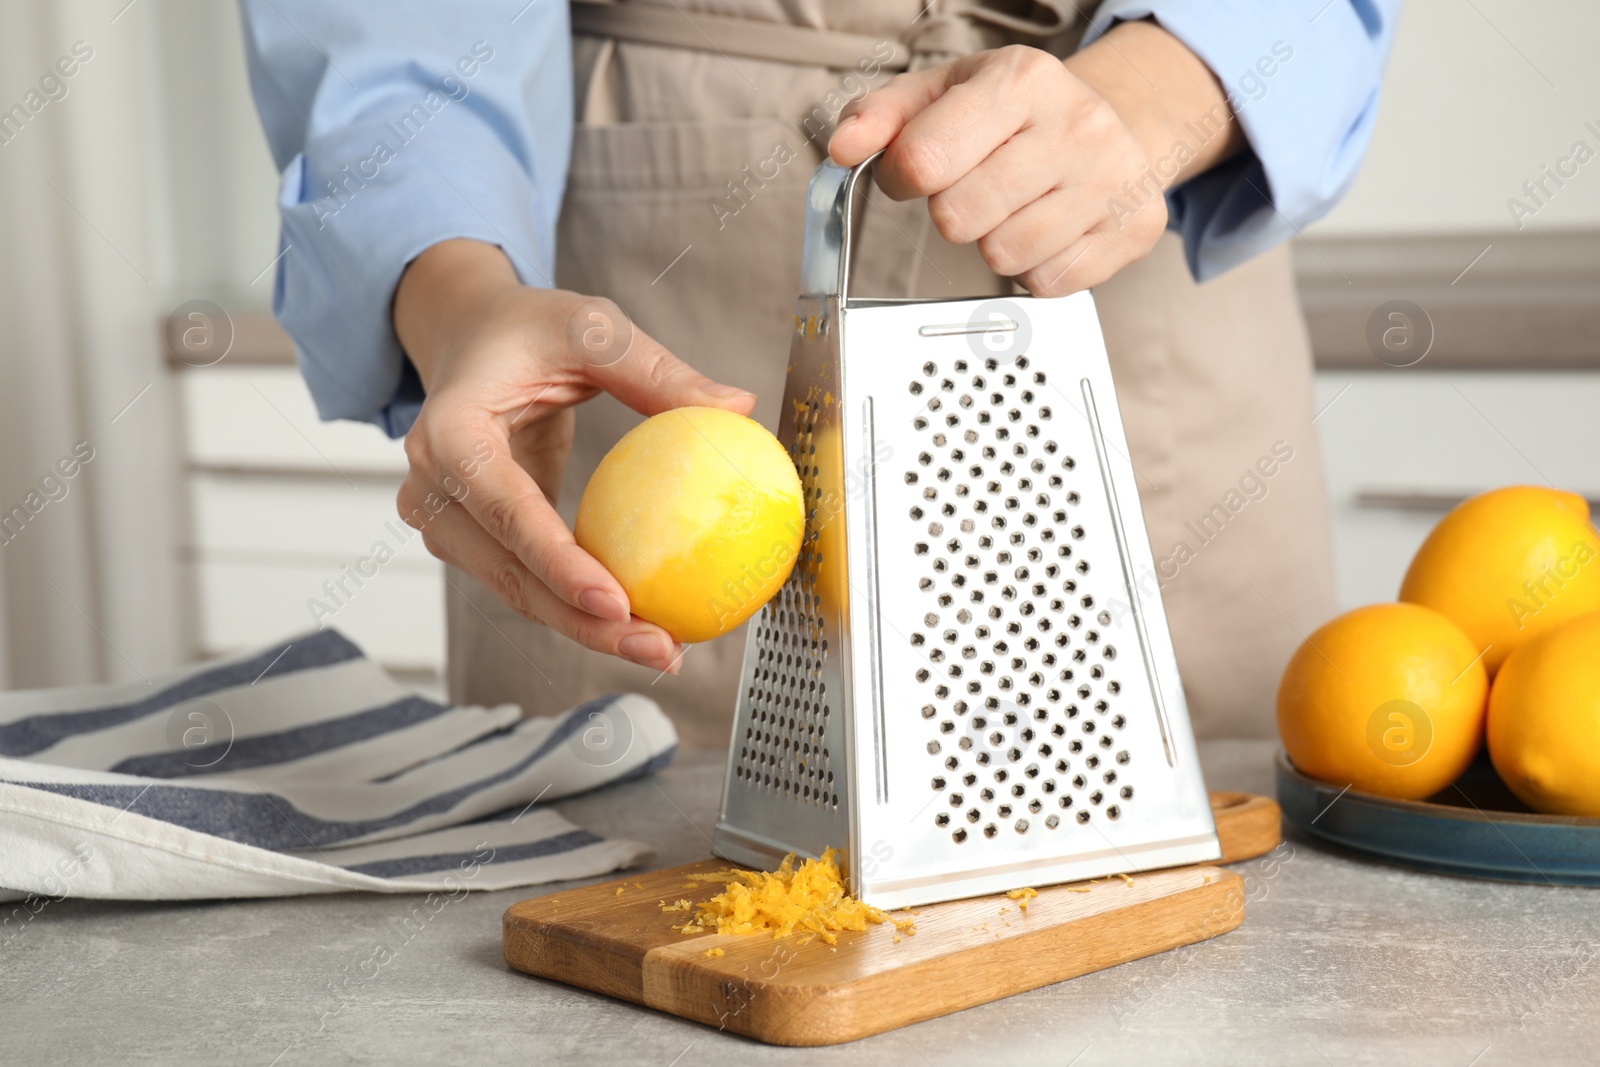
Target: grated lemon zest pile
620,891
708,953
1022,896
810,897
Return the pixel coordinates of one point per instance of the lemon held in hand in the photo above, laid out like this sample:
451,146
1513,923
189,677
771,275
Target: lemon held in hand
1388,698
698,513
1509,564
1544,720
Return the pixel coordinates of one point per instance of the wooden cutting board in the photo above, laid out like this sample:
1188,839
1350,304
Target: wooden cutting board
613,938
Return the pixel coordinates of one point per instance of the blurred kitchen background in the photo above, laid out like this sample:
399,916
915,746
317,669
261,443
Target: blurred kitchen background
215,505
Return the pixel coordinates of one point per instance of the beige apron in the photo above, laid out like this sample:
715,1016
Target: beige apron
685,205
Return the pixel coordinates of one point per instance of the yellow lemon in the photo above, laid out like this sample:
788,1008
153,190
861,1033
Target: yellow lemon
1544,719
698,513
1507,565
1388,698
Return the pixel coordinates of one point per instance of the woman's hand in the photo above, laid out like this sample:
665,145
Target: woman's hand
1056,169
503,364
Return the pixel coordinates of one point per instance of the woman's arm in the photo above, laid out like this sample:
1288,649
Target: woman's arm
419,199
1064,172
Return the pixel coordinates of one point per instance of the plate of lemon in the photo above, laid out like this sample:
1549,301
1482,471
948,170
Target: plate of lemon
1458,728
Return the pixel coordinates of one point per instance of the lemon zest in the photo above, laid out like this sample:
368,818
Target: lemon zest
809,897
1022,896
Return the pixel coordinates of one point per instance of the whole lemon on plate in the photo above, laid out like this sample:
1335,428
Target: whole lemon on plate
1509,564
1388,699
698,513
1544,719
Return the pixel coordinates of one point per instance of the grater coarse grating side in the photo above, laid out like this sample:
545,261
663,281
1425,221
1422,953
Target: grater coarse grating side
967,683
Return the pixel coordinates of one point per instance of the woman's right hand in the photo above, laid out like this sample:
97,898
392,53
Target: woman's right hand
502,365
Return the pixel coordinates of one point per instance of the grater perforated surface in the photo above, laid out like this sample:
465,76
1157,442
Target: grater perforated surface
1018,684
784,749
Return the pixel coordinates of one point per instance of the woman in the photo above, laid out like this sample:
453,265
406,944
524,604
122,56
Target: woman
435,159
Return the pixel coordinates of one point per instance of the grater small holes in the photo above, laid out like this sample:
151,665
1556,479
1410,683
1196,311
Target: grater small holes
1083,815
1123,757
959,836
1021,826
990,830
1126,792
930,369
916,388
1021,481
1052,821
942,819
1113,812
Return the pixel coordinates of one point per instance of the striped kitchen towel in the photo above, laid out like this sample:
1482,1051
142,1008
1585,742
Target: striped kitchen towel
302,769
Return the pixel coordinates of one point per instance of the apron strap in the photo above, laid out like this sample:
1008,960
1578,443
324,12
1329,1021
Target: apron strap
748,38
947,29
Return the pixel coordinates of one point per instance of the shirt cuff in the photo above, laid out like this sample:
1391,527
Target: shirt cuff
357,207
1304,88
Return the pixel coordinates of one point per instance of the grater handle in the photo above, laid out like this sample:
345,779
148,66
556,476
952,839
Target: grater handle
825,257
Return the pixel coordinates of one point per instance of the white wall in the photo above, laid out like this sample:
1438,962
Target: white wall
1467,116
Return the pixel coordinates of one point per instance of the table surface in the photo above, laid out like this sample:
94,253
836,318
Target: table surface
1339,960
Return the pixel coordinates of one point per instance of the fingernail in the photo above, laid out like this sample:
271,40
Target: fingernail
845,123
646,648
725,392
603,605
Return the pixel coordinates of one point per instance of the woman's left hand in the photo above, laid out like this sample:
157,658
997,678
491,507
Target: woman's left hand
1056,169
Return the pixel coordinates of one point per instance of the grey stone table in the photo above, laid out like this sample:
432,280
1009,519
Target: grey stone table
1339,961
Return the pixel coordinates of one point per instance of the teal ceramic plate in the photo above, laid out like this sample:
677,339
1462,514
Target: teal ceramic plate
1475,827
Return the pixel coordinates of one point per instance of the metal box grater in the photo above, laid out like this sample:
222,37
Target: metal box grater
967,683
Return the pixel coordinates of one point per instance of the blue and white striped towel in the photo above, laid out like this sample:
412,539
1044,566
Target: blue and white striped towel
302,769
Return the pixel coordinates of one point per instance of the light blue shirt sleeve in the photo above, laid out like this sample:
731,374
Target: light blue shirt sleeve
1302,78
396,126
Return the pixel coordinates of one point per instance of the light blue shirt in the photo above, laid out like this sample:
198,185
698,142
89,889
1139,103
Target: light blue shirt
400,126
